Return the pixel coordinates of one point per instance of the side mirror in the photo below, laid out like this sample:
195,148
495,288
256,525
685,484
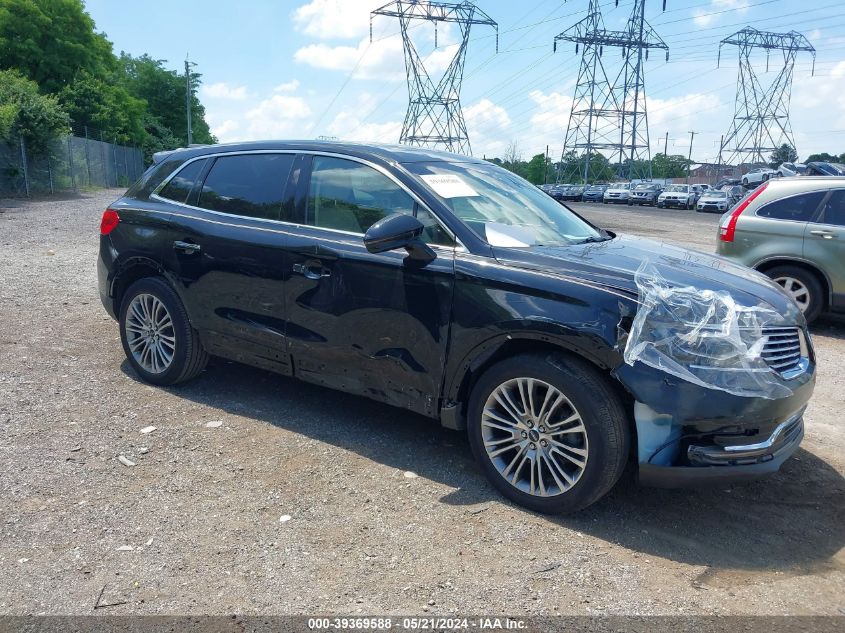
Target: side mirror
398,230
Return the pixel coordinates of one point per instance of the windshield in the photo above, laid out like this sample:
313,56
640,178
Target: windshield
681,188
502,208
646,187
715,194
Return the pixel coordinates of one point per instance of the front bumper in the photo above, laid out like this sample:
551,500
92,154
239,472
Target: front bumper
688,434
730,463
674,202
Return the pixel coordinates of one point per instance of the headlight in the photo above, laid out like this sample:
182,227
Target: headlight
703,336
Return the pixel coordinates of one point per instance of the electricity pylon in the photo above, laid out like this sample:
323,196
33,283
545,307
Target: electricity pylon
605,115
434,116
761,114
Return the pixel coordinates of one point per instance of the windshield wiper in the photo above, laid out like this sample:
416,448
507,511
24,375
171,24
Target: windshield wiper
593,239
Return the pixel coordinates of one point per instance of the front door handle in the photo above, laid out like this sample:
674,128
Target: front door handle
186,247
311,272
825,234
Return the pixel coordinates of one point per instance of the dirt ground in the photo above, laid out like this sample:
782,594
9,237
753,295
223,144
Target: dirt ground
260,494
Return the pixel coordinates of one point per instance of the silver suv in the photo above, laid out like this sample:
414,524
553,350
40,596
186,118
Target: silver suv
793,230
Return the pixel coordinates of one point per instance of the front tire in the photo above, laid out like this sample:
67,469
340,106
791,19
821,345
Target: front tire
804,288
157,336
549,431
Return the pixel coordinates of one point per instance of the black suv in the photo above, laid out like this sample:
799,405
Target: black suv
447,286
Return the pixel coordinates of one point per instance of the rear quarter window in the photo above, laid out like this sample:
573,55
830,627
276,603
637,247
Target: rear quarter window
800,208
180,186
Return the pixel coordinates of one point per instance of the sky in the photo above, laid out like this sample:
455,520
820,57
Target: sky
286,69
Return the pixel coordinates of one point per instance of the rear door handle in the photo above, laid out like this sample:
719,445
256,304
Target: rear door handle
825,234
311,272
186,247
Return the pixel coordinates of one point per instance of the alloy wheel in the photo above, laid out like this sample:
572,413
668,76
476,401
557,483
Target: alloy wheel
534,437
796,289
150,333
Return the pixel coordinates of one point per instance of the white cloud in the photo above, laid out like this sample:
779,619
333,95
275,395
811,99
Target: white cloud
334,19
487,126
222,90
705,16
279,116
818,106
288,86
226,131
348,124
380,60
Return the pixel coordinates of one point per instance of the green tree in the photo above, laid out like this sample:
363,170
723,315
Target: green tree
535,170
824,157
672,166
783,154
164,91
105,107
51,42
37,118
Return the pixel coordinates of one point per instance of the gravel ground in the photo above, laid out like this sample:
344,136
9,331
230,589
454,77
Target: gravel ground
259,494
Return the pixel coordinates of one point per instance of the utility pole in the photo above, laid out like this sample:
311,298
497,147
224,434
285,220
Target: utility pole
546,166
189,93
434,117
689,158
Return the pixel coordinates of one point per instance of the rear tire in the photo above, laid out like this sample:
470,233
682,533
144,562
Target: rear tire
600,435
159,355
804,288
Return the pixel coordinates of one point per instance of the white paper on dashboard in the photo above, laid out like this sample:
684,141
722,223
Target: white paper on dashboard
449,186
507,235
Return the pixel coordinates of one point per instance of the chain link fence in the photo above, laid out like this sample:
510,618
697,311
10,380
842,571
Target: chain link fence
71,163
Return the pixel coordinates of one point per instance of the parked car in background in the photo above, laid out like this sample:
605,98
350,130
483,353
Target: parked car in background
825,169
735,194
594,193
727,182
558,191
452,288
617,192
645,193
787,170
758,175
681,196
574,192
793,230
713,202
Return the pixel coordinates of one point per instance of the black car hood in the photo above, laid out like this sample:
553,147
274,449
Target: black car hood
614,263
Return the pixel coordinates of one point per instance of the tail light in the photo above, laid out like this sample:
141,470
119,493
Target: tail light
109,221
728,226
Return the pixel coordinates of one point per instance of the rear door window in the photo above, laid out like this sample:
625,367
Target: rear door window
179,187
799,208
833,211
251,185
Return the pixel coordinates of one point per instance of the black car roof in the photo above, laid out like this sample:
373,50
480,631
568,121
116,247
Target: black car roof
384,151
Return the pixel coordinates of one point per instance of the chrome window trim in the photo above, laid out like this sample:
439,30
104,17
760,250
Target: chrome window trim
155,194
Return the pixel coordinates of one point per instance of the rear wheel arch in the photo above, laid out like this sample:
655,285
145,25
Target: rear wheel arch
129,272
820,275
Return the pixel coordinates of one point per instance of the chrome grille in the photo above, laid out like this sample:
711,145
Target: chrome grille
782,349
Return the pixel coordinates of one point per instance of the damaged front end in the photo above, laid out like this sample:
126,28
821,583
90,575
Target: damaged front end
720,386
